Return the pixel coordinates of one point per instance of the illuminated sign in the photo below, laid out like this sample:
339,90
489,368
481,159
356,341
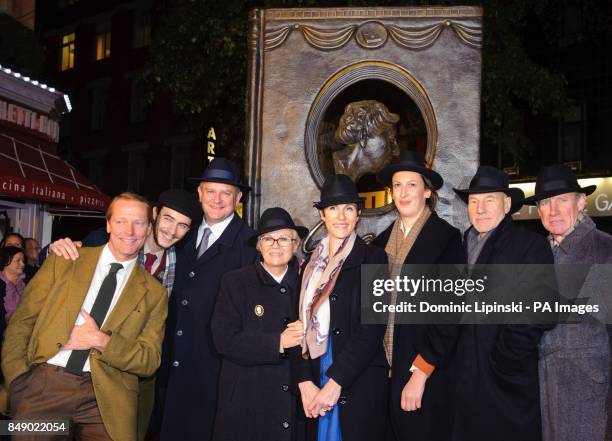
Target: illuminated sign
211,137
41,124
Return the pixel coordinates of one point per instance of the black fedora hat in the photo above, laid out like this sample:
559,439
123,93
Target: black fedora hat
491,180
223,171
273,219
554,180
182,201
338,189
410,160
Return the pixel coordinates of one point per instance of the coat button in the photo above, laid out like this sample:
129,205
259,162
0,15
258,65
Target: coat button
175,363
337,331
184,302
285,387
333,297
179,332
286,321
342,400
283,290
191,274
285,355
285,425
59,345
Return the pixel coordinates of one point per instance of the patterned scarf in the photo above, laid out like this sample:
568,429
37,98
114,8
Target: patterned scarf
318,282
12,295
397,249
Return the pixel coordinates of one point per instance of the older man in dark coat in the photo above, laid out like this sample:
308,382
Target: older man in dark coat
187,392
497,365
574,363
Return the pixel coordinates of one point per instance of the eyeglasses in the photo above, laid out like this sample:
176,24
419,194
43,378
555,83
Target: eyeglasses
282,241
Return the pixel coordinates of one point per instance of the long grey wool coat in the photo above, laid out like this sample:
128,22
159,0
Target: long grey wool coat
574,366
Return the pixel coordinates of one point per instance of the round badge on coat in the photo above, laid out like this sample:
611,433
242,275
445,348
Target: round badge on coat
259,310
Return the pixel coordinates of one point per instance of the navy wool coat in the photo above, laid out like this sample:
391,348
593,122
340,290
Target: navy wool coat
256,402
437,243
188,376
359,362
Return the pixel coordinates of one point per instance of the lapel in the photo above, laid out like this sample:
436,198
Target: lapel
425,248
82,272
133,291
225,241
356,256
494,243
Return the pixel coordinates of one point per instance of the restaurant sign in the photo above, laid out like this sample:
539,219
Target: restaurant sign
39,123
26,189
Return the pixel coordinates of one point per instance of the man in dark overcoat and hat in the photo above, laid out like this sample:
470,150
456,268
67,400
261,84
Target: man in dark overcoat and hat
497,364
574,357
187,391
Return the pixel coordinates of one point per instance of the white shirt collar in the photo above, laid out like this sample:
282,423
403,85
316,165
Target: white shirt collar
278,279
107,257
216,229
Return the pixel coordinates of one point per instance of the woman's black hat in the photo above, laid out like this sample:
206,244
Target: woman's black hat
273,219
554,180
223,171
338,189
410,160
491,180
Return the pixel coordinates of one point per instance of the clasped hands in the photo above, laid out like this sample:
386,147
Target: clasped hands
317,402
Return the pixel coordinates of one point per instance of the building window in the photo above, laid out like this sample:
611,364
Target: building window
103,45
68,51
99,106
572,134
136,165
139,106
142,30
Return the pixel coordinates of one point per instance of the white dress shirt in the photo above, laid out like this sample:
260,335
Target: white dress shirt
100,273
216,230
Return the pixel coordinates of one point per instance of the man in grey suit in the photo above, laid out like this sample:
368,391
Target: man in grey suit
574,365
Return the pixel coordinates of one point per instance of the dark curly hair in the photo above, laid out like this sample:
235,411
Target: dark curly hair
7,254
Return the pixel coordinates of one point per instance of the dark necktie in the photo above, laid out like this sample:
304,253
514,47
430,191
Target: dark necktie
150,259
204,242
77,359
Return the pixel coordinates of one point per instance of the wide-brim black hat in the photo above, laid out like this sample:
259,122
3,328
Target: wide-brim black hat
554,180
338,189
274,219
492,180
410,160
182,201
223,171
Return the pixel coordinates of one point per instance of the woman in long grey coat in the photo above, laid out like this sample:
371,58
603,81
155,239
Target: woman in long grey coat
253,326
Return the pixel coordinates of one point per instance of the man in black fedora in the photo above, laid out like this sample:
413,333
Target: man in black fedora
187,392
574,407
497,384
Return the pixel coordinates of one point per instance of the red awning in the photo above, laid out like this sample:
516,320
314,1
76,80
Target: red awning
36,172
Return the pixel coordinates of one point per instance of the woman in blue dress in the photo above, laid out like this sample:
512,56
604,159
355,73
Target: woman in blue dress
342,371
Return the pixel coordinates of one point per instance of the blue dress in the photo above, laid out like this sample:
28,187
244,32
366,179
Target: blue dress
329,425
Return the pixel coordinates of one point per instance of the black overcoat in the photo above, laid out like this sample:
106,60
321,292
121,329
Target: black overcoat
497,365
255,400
188,376
359,363
437,243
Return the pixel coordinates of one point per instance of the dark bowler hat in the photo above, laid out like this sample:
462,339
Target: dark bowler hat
182,201
273,219
224,171
491,180
554,180
338,189
410,160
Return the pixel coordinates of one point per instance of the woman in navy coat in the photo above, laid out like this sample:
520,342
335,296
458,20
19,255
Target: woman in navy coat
341,373
253,326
